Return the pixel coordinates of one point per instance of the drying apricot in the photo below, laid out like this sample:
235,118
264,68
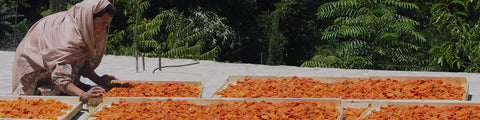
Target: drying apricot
32,109
171,109
424,112
362,89
131,89
353,113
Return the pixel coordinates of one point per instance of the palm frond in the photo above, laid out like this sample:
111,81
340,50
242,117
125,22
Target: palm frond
338,8
403,5
192,38
184,52
324,62
146,46
210,55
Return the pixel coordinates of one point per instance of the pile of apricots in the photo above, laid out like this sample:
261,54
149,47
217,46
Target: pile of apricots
361,89
131,89
177,109
32,109
353,113
426,112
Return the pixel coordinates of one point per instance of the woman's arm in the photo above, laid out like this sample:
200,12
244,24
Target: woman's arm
62,77
88,72
71,89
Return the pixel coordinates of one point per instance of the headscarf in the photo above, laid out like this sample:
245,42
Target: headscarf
62,37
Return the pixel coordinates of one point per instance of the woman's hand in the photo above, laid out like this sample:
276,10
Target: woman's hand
92,93
106,79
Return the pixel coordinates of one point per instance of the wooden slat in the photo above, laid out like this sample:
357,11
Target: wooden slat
206,101
233,80
69,100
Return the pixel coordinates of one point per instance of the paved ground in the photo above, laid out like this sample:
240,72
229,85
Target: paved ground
213,74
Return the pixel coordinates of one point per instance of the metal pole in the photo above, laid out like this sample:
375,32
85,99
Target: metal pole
135,38
143,61
261,58
15,28
159,61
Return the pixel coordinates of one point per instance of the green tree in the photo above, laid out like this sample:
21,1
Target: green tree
183,40
369,34
123,25
11,32
220,37
242,16
7,12
300,28
459,21
196,34
202,35
274,40
58,6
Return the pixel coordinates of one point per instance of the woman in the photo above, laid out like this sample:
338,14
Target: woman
61,47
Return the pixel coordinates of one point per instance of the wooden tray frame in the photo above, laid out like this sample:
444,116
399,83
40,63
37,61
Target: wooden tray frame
69,100
205,101
94,102
234,79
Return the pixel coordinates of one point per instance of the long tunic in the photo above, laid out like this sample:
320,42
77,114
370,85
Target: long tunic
42,82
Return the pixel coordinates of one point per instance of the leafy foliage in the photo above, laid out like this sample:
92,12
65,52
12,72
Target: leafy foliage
8,30
123,26
274,38
369,34
200,36
59,5
184,41
434,35
7,12
459,51
220,37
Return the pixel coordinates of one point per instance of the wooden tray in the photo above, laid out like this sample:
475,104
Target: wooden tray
437,103
69,100
94,102
197,83
206,101
234,79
